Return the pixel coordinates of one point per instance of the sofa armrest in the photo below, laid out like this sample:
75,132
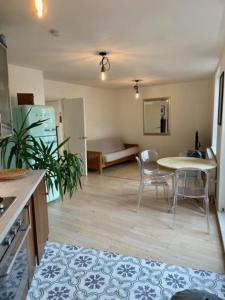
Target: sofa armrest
89,152
130,145
94,160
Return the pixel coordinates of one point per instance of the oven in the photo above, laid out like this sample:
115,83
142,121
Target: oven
14,275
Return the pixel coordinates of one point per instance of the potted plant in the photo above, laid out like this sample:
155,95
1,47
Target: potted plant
22,150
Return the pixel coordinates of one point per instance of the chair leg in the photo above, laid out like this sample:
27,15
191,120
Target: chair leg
172,201
207,213
140,192
170,204
204,206
185,181
164,190
174,211
156,191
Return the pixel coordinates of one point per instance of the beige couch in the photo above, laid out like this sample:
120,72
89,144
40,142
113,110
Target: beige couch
109,151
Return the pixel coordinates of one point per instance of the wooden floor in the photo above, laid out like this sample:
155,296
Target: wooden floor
104,216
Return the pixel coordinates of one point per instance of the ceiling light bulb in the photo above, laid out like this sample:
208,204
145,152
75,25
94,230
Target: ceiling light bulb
39,8
103,74
136,88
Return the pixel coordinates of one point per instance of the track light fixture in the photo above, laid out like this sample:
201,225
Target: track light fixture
136,88
104,63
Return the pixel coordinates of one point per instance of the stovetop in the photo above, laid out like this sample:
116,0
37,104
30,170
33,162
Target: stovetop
5,203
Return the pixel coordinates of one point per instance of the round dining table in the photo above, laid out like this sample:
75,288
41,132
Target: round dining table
186,162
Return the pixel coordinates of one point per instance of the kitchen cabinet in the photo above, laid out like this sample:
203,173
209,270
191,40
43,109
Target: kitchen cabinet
32,260
36,215
40,219
23,231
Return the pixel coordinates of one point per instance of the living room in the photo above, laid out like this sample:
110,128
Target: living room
172,52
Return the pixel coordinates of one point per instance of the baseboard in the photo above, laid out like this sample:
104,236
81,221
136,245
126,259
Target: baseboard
221,221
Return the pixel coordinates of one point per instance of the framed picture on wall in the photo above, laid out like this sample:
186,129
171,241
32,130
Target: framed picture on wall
220,107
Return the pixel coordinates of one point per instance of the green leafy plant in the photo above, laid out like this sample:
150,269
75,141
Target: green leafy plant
22,150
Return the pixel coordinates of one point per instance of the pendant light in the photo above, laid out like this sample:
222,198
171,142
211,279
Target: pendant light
136,88
104,63
39,8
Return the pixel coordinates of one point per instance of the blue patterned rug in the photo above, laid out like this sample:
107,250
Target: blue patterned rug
70,272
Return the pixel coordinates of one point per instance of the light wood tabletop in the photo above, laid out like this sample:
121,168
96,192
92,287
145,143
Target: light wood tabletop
186,162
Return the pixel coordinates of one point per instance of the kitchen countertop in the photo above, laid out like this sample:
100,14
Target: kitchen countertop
22,189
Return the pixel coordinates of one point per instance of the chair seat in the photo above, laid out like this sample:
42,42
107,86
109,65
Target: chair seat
157,172
190,192
159,182
149,172
157,178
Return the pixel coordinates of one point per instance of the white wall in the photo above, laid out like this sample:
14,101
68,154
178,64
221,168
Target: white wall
190,110
25,80
100,108
100,103
111,112
220,155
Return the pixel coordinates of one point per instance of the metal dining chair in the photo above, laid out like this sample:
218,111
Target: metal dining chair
150,175
191,183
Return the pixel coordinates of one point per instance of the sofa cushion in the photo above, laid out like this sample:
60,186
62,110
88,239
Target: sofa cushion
106,145
109,157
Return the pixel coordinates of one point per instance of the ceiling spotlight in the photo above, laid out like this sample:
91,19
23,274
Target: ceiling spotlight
40,8
136,88
104,63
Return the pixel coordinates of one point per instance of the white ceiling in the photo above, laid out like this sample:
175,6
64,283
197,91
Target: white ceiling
154,40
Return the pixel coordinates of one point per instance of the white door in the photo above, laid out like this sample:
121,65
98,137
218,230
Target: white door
74,127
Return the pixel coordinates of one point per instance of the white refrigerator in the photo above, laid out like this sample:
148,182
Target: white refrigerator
46,131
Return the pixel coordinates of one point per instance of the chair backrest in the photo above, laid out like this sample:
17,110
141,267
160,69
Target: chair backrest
190,153
148,155
139,165
182,154
191,182
148,160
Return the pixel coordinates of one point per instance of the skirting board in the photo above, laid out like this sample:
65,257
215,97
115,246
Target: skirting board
221,221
